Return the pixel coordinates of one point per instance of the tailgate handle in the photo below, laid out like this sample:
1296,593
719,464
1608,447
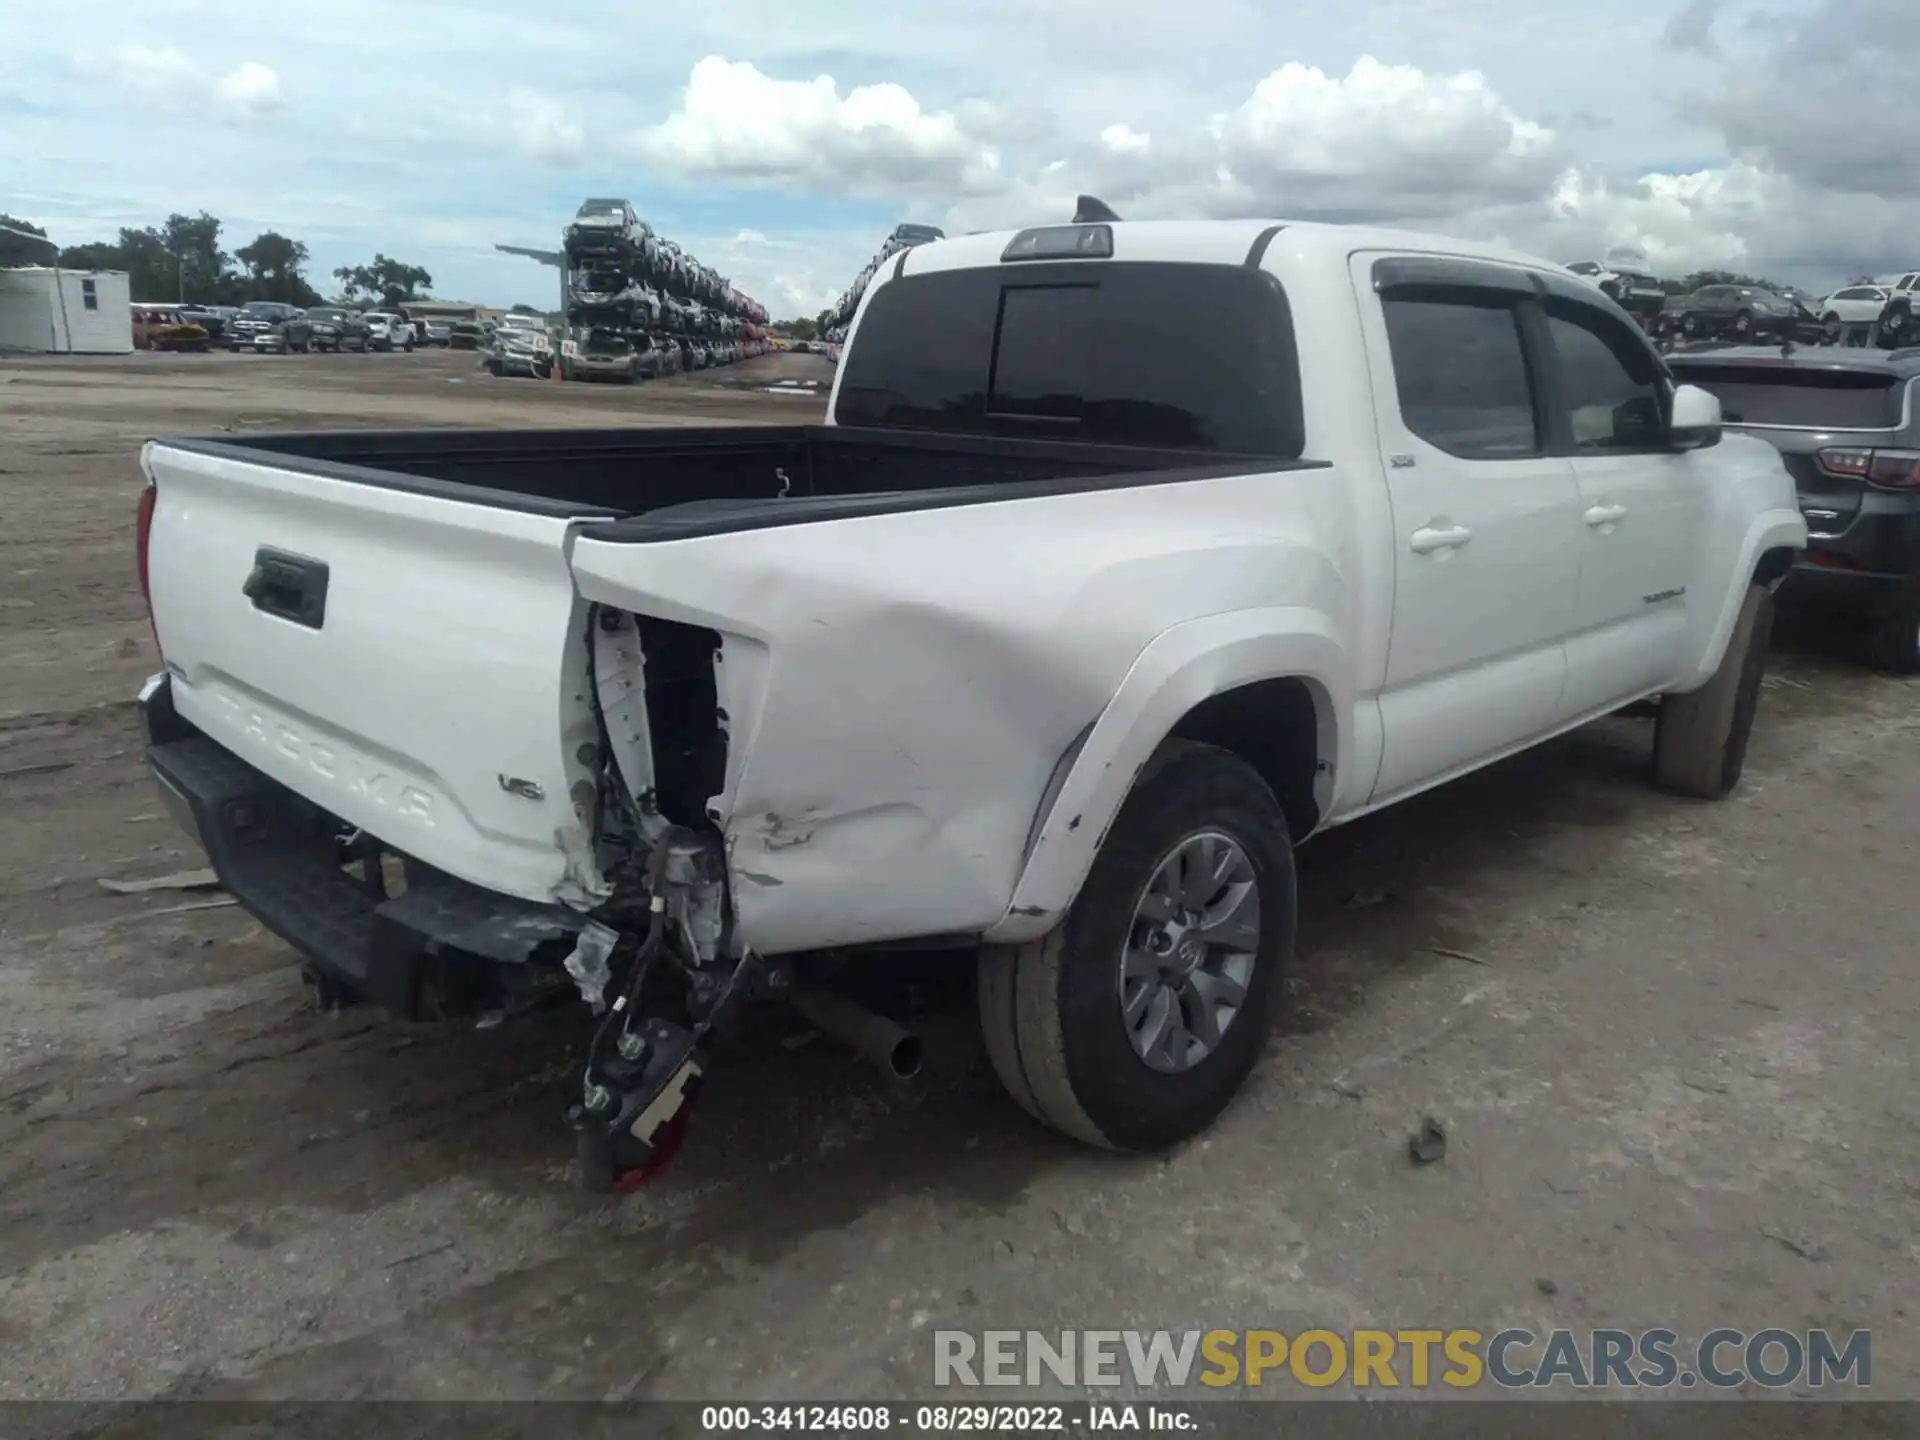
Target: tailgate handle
289,586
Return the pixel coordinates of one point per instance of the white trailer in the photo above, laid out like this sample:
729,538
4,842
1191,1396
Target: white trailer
50,311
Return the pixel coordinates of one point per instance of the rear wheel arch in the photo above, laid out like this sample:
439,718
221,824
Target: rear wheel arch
1284,728
1061,1015
1772,567
1245,673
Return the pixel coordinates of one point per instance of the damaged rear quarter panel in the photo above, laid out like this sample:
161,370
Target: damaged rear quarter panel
899,688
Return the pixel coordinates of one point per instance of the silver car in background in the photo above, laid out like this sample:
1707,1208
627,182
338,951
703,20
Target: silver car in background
386,331
522,345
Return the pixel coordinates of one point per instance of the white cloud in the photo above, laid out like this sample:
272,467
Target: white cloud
1403,135
1741,216
735,124
1383,142
166,78
542,128
248,90
158,74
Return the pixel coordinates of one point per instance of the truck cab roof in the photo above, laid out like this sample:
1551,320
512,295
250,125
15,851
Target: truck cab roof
1211,242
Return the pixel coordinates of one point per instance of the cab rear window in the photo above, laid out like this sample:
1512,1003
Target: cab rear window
1121,353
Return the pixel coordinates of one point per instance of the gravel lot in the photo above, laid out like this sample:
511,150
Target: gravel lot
1677,1070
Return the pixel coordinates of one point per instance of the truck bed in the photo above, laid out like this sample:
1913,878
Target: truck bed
698,480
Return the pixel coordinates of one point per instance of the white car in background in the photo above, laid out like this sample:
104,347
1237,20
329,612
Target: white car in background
1624,275
388,332
1900,322
1854,305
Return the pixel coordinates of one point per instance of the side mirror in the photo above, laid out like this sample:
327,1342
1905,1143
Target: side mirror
1695,424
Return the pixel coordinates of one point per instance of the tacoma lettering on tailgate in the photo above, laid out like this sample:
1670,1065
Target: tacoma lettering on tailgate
347,771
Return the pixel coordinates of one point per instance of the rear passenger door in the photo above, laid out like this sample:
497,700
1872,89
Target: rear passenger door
1642,505
1486,522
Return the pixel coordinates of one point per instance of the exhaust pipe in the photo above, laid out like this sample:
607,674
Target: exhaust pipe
894,1048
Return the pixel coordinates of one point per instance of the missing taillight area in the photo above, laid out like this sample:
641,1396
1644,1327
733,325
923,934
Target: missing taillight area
1888,469
143,535
685,722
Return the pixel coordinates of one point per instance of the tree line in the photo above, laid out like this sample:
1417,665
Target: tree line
183,260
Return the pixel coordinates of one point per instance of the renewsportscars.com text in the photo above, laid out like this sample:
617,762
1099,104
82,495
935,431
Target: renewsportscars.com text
1602,1359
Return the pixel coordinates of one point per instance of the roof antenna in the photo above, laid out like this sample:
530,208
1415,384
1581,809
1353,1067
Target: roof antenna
1089,210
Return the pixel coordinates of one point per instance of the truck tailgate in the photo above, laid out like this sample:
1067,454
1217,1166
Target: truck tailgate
412,661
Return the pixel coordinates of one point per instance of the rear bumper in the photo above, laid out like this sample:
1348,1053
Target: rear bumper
1855,592
279,855
1871,567
611,369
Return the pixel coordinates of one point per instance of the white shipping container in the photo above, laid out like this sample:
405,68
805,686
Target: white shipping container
65,312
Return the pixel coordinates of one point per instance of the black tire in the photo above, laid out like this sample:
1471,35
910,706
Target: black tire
1690,326
1896,642
1742,325
1050,1009
1700,739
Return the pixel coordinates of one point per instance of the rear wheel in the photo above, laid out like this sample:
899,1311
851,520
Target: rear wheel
1700,739
1132,1025
1742,325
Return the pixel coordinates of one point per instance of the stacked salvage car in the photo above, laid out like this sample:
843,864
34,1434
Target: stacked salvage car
638,306
904,237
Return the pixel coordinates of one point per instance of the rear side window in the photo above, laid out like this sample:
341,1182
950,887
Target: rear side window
1122,353
1461,373
1801,399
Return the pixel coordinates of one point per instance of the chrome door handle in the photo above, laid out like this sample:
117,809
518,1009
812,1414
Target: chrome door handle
1429,538
1605,515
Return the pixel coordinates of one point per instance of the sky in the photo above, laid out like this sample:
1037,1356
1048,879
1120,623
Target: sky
779,142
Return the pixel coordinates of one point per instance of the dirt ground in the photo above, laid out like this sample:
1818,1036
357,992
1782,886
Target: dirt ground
1677,1069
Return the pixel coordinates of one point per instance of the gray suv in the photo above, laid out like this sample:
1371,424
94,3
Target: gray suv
1846,422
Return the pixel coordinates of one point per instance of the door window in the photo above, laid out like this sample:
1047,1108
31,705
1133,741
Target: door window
1461,372
1610,383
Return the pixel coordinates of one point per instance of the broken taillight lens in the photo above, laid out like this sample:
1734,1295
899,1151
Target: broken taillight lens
1888,469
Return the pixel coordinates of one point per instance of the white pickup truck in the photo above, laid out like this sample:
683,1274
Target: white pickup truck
1130,555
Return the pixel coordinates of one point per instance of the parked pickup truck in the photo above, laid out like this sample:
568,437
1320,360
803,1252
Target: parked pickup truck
1128,557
